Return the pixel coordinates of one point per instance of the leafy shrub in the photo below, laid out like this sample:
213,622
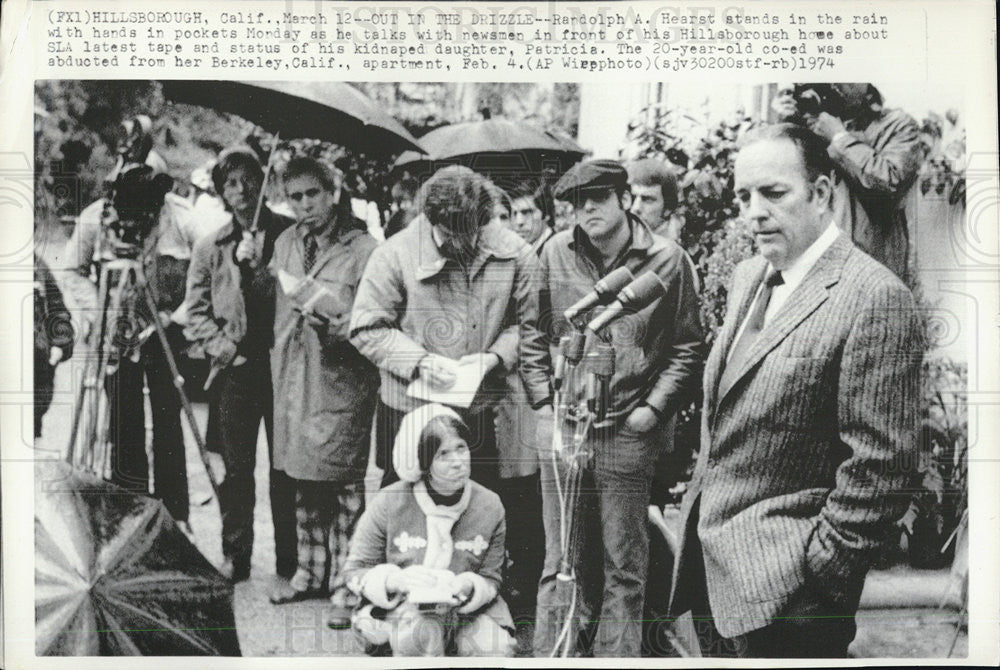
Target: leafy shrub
702,155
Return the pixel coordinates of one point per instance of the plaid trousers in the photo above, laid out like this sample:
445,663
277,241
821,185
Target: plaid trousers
326,514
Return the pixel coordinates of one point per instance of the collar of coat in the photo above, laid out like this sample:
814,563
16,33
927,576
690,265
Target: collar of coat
231,231
494,242
344,229
807,297
644,242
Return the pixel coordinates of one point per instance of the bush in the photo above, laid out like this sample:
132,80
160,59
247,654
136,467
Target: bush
702,154
941,500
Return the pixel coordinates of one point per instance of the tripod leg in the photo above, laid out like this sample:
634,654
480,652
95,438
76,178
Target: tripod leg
90,391
178,382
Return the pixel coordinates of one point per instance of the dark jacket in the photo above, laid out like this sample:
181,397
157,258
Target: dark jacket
658,350
53,323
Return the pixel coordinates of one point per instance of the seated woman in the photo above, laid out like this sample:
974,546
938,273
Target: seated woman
428,552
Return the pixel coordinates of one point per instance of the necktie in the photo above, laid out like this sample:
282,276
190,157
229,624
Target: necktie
755,322
311,251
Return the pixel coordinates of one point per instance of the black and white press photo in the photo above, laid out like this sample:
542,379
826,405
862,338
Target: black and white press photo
550,369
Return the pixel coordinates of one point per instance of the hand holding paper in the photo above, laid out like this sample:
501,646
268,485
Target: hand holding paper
310,296
468,376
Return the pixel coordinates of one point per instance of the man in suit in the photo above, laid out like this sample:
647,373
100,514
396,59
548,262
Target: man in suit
809,427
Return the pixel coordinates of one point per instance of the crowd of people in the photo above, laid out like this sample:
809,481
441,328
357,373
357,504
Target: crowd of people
319,331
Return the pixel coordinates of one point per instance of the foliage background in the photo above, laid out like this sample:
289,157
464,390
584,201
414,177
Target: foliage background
77,126
702,152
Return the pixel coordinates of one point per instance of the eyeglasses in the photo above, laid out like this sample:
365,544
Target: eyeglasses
598,196
308,193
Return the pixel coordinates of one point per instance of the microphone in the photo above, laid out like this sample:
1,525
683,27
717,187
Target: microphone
601,368
604,292
559,367
642,292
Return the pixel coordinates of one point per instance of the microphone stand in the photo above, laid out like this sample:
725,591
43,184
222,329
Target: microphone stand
599,365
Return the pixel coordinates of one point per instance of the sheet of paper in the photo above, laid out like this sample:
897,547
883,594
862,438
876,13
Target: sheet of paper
468,379
311,296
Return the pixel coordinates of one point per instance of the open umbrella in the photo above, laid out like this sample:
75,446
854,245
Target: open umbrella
322,110
115,576
331,111
491,146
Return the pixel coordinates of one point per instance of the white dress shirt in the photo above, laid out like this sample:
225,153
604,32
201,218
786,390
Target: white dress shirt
791,276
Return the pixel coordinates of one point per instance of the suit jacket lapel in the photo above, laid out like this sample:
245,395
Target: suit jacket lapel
717,359
804,300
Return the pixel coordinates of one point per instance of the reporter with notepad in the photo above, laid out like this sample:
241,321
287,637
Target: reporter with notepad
453,286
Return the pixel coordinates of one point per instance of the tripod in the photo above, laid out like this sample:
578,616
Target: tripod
122,282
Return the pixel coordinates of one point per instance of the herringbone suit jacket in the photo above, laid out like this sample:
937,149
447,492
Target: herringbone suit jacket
805,459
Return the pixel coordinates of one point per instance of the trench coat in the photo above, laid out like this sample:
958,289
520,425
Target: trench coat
324,390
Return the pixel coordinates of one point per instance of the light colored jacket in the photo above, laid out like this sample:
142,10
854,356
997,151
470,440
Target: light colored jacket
413,301
165,257
805,461
324,390
392,534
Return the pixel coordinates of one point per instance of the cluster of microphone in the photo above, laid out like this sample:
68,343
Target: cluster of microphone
620,293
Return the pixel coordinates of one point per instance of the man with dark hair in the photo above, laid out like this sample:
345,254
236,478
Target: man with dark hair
654,196
452,287
403,192
658,352
876,153
532,214
230,296
809,423
144,218
324,390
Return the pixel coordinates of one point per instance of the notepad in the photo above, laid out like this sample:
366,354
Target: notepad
312,297
461,394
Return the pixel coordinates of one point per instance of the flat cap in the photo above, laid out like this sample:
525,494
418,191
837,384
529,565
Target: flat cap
603,173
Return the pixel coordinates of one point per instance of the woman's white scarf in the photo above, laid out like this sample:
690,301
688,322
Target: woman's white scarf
440,521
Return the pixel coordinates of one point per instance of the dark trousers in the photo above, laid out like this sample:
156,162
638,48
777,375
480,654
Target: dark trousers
656,623
810,626
522,501
44,388
127,431
483,450
241,397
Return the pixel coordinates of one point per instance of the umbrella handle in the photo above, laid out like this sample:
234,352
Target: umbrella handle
263,185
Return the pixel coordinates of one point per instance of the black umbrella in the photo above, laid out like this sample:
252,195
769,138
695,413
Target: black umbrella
331,111
115,576
493,146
